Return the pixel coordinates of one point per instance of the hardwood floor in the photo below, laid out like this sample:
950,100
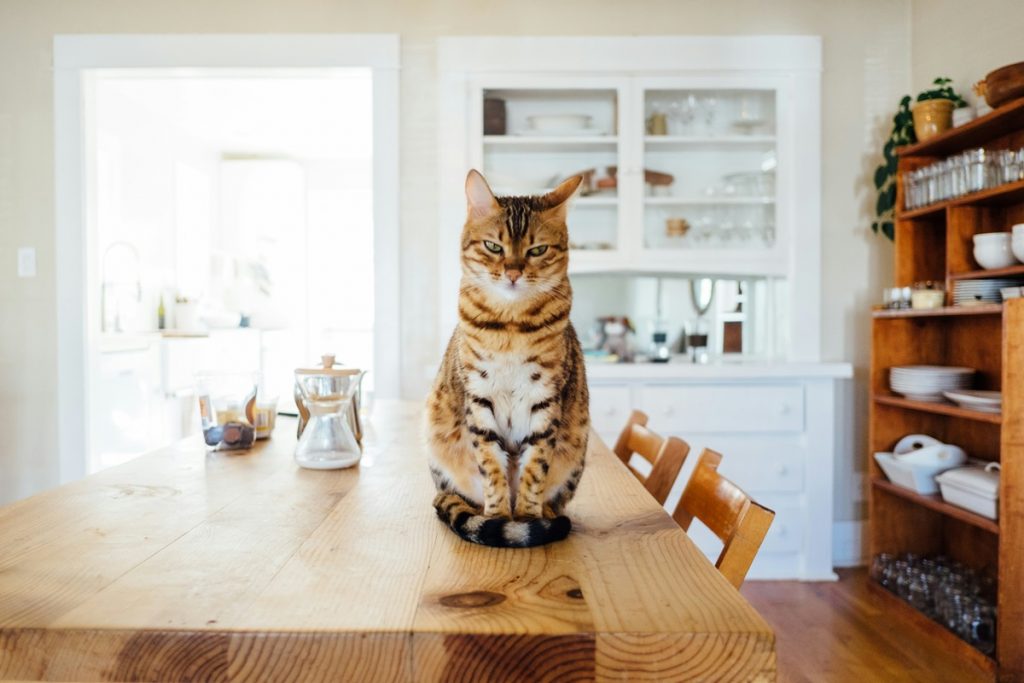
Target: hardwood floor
840,632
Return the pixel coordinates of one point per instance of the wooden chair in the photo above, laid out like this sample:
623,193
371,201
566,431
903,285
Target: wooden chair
665,455
738,521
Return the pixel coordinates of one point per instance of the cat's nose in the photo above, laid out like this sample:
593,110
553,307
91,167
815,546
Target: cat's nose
513,275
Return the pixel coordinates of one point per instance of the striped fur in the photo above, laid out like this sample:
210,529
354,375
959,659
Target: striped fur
507,418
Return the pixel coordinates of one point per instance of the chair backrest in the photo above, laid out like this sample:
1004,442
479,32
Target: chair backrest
666,456
725,509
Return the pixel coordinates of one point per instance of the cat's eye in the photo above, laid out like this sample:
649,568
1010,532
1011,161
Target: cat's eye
537,251
492,247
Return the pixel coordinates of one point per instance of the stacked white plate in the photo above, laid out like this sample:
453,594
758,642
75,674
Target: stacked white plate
973,292
984,401
928,382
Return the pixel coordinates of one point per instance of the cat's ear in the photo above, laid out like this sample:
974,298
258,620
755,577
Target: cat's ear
557,200
479,198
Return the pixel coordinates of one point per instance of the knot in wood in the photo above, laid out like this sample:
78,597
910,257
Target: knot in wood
472,599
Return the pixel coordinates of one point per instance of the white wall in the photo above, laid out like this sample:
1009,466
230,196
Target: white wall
964,41
866,61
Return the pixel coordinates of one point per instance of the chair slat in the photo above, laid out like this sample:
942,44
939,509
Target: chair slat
666,456
724,508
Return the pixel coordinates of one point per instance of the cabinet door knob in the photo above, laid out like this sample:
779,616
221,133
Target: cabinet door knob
610,411
668,411
785,409
783,470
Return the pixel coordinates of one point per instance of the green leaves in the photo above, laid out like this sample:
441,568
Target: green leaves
886,203
943,90
885,175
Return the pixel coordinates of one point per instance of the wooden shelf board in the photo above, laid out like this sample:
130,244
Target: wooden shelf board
935,502
923,623
1006,119
1010,193
938,408
945,311
1010,271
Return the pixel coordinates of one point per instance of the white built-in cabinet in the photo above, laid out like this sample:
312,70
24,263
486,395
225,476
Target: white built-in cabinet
735,122
741,139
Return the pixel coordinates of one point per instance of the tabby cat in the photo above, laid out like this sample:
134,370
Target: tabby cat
507,419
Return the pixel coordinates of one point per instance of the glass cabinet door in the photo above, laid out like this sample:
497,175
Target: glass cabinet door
709,169
535,137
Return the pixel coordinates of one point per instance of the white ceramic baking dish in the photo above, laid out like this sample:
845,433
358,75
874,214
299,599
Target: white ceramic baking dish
973,488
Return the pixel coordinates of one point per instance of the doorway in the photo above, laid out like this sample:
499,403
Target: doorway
230,218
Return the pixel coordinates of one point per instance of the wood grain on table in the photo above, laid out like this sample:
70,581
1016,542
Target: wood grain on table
183,565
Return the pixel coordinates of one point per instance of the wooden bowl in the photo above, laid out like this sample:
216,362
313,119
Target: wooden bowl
1004,84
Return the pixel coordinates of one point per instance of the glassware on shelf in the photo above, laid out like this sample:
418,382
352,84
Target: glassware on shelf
946,591
708,107
971,171
681,113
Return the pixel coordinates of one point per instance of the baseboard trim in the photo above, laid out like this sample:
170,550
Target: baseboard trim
848,546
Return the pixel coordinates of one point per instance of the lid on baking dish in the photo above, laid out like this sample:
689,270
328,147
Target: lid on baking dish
981,481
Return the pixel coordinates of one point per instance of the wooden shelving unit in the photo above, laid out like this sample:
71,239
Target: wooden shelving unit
980,309
935,243
939,408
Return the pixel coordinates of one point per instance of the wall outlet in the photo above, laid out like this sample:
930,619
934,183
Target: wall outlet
26,262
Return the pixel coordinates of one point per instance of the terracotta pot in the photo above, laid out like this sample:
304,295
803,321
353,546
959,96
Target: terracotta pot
932,117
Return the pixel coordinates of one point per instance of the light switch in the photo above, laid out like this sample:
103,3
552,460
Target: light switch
26,262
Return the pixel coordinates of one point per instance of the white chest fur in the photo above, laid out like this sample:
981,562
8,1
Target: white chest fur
507,380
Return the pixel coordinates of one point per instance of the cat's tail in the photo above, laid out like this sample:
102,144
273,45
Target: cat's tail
466,521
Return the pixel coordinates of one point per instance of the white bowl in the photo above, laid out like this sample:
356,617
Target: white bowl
994,255
992,237
1017,247
1018,231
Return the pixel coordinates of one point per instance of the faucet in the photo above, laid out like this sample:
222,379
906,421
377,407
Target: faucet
108,285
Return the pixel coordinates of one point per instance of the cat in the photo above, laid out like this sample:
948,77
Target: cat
508,416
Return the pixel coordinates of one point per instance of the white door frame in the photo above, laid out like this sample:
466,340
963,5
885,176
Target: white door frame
74,56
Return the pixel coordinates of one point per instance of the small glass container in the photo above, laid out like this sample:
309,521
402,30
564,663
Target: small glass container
227,408
660,352
927,294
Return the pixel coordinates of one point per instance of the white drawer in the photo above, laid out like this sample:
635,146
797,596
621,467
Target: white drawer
758,464
786,533
610,407
733,408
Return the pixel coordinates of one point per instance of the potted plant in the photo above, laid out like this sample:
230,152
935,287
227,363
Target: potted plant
933,112
906,130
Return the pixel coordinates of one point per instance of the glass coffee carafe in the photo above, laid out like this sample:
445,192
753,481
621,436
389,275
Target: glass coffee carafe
328,440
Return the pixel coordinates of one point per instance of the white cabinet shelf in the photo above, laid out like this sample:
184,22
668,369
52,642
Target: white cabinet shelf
551,142
709,201
674,142
596,201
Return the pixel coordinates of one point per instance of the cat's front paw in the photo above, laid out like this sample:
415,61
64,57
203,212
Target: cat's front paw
499,510
527,511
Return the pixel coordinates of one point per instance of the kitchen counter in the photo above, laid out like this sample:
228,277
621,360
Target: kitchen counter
750,369
184,565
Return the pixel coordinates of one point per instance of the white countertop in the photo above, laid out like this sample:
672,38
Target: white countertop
751,369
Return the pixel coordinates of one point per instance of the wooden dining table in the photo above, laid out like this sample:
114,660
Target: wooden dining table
188,565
